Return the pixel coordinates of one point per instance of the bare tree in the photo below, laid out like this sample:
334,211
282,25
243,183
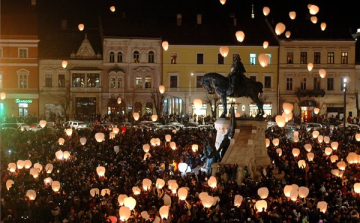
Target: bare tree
158,100
213,100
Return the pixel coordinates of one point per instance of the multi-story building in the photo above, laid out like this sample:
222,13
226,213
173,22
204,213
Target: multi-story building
19,59
194,51
307,89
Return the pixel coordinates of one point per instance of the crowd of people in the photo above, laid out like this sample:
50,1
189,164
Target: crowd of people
127,167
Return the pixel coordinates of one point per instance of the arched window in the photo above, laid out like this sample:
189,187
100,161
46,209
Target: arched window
151,57
112,57
136,57
148,82
119,57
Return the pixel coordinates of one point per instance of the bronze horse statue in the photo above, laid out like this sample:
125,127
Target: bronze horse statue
236,84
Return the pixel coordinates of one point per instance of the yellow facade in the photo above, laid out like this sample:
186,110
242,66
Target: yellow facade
186,65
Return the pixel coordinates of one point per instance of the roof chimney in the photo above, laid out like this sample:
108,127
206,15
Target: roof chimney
178,19
199,19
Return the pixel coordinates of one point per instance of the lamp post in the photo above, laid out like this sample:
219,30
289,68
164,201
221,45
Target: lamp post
344,89
191,75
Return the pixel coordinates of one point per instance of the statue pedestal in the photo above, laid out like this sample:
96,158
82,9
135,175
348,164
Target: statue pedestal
247,148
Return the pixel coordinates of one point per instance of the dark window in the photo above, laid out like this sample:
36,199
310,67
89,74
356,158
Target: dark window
267,82
112,57
290,58
173,57
119,57
198,81
61,80
200,58
303,57
151,57
344,57
136,57
303,83
220,59
331,58
316,83
317,56
173,81
48,80
330,84
289,83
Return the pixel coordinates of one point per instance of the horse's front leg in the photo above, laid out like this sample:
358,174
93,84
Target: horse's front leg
223,100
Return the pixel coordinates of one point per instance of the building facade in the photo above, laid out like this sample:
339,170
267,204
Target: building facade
306,89
131,72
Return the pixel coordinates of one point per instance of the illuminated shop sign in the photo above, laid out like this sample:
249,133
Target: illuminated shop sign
26,101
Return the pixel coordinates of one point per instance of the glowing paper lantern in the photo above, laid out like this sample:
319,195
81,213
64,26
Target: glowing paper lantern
100,170
310,156
48,181
168,138
314,9
287,190
288,107
296,152
357,137
224,51
315,134
38,166
182,167
20,164
320,138
261,205
195,147
82,140
267,142
279,151
81,27
287,34
212,182
280,28
145,215
99,137
121,198
124,213
49,168
326,139
12,167
136,116
351,158
337,172
322,205
287,117
263,192
294,193
207,201
160,183
296,133
316,111
154,118
237,115
302,164
55,186
357,188
66,155
310,66
238,200
265,44
42,123
173,145
303,192
165,45
328,151
27,164
157,142
182,193
61,141
64,64
322,73
146,184
240,36
266,11
34,172
334,158
116,149
223,2
146,148
264,59
9,184
31,194
341,165
292,15
323,26
276,141
296,138
2,95
136,190
130,202
164,212
308,147
69,132
280,120
116,130
112,8
313,19
105,191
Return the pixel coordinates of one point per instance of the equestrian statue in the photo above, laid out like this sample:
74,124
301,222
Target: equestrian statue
236,84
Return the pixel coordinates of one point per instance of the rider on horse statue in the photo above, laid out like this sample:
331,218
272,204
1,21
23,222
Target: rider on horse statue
237,77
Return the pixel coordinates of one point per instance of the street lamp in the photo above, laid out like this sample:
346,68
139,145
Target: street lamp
344,89
191,75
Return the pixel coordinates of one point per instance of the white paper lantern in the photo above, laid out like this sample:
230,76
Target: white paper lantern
292,15
240,36
263,192
61,141
310,66
100,170
100,137
261,205
280,28
173,145
288,107
276,141
146,184
280,120
105,191
195,147
31,194
164,212
48,181
165,45
55,186
182,193
12,167
146,148
308,147
59,155
20,164
154,118
303,192
136,116
136,190
267,142
238,200
121,198
9,184
322,205
265,44
212,182
314,9
287,34
64,64
310,156
168,138
160,183
112,8
357,188
124,213
82,140
266,11
328,151
296,152
49,168
326,139
334,158
182,167
130,202
315,134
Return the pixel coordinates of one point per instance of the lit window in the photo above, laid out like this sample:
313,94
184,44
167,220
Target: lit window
1,81
331,58
252,58
330,84
93,80
173,57
290,58
269,54
138,81
148,82
344,57
78,80
316,83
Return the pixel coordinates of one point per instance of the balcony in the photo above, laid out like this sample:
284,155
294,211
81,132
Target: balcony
309,93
